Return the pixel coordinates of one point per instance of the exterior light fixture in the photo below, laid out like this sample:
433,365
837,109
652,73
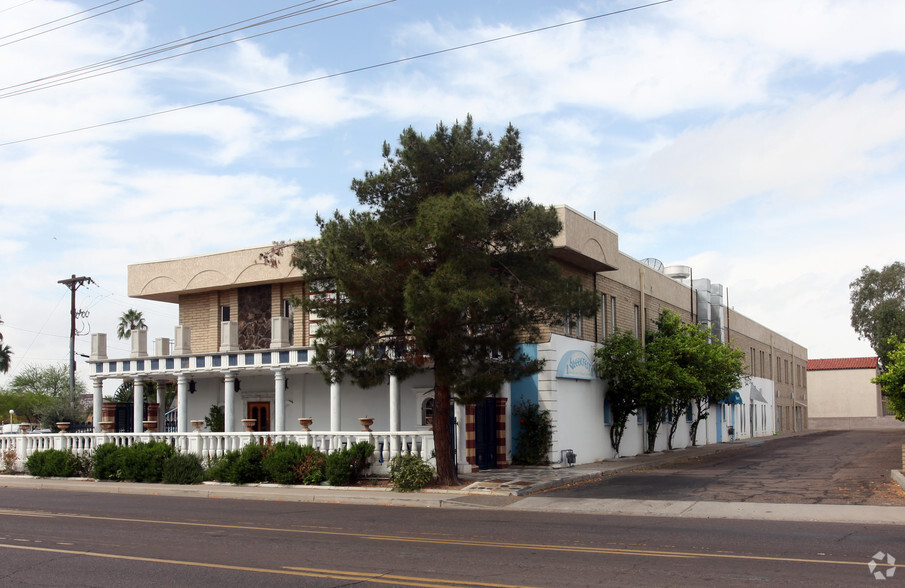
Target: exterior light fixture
192,386
237,384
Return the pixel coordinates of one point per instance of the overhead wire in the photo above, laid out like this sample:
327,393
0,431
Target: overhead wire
15,366
88,71
69,24
50,22
336,74
16,6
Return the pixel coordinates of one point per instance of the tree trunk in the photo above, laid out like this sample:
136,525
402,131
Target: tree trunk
652,430
702,414
677,414
446,467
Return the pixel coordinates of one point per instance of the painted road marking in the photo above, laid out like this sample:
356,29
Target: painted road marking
441,541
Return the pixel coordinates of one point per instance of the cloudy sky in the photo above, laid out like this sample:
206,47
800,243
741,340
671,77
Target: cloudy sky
760,142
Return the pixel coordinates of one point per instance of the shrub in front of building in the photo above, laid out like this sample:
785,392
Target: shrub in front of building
143,462
535,435
54,463
280,461
409,473
183,468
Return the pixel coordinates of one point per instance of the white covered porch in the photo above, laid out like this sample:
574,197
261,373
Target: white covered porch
278,388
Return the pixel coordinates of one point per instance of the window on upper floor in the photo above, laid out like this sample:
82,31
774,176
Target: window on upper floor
289,313
603,316
572,325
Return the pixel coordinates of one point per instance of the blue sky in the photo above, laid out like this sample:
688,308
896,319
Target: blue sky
759,142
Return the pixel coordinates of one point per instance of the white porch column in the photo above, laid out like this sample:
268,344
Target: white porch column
394,403
182,403
161,403
229,401
97,408
334,407
138,404
279,400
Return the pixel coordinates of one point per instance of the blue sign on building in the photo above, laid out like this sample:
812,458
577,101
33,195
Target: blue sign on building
575,365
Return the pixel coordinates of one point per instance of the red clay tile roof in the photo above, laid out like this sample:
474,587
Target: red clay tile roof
843,363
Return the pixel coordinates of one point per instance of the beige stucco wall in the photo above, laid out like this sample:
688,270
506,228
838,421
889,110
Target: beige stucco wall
168,280
843,393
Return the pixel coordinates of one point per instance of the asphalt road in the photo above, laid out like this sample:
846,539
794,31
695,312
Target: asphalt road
829,467
50,538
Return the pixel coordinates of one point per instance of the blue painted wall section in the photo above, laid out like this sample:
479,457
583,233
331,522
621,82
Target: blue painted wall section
524,389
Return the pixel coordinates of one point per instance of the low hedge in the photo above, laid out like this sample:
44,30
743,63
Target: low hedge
157,461
54,463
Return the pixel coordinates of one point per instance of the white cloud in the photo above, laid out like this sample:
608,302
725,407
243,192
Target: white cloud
802,152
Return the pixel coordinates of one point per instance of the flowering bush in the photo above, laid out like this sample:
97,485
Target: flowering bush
535,435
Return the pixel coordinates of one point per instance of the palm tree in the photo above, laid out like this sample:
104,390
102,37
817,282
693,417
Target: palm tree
130,320
5,354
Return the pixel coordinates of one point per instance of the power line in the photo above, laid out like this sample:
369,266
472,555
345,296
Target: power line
48,23
35,338
69,24
88,71
334,75
16,6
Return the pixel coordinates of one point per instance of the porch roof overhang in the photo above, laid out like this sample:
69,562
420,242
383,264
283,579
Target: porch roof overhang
580,260
584,243
203,365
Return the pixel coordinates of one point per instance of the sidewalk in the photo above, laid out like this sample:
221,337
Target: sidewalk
508,489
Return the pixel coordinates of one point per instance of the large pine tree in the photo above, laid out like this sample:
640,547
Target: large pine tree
442,271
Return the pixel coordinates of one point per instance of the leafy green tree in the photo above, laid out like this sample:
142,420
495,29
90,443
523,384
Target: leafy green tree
681,347
130,320
658,385
442,271
723,372
5,354
892,380
878,307
619,361
41,394
680,365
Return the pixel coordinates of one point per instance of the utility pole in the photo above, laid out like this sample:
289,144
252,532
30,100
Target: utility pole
73,284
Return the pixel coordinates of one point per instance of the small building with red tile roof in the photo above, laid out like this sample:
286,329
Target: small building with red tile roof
842,395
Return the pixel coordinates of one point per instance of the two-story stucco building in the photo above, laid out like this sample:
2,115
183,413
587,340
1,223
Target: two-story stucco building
241,345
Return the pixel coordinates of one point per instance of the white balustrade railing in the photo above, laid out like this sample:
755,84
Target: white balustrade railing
387,445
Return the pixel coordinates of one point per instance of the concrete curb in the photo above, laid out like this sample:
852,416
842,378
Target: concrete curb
822,513
898,477
333,495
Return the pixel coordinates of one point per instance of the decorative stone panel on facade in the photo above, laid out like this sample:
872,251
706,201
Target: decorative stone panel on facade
254,317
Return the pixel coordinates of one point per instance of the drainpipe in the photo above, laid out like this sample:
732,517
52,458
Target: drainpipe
596,326
643,322
728,337
691,291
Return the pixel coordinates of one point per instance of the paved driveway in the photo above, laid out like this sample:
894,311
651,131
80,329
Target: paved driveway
829,467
